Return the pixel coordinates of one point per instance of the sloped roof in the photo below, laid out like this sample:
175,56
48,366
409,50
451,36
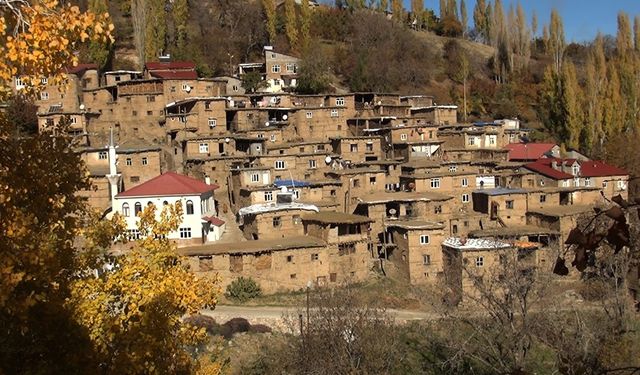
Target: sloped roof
214,220
81,68
170,65
169,184
544,168
180,74
528,151
595,168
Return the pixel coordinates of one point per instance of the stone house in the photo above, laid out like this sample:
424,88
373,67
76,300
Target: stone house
265,221
355,149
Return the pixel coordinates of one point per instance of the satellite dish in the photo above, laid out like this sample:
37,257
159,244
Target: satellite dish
283,189
82,107
392,211
327,160
266,123
188,88
412,186
285,117
227,140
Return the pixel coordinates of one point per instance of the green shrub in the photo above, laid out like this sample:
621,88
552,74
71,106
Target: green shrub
243,289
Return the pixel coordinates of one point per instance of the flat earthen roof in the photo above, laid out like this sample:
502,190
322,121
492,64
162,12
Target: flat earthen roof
560,211
329,217
407,196
518,230
253,247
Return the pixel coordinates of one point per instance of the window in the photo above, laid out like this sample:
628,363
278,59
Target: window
185,232
280,164
276,82
479,261
620,184
472,141
145,161
369,147
346,248
426,259
309,114
137,208
575,169
186,87
268,196
492,140
292,276
464,182
435,183
372,180
453,168
189,208
291,68
424,239
151,99
340,102
73,120
134,179
134,113
587,181
312,164
234,87
44,81
125,209
207,105
465,198
173,89
353,147
204,148
314,257
334,113
276,222
255,177
604,184
133,234
356,182
275,68
260,135
403,137
212,123
319,147
149,113
297,220
19,84
509,205
44,95
273,138
437,209
543,198
129,161
296,194
102,155
289,258
333,277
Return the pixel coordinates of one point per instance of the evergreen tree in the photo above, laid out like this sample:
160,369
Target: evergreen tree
291,27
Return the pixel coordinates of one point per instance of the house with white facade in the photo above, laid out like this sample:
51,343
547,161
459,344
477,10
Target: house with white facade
200,223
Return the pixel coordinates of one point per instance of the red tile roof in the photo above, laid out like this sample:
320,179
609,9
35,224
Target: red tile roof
81,68
543,167
528,151
168,184
181,74
170,65
595,168
214,220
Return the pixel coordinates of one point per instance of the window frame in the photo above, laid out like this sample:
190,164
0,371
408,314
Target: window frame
280,165
425,239
435,183
203,148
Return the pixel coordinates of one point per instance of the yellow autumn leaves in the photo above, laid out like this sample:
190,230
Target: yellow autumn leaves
43,40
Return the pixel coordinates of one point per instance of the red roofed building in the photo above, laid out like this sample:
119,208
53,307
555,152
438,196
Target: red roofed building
170,70
583,173
200,223
531,151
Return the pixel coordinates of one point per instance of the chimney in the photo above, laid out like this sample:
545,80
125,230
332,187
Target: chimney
113,176
554,164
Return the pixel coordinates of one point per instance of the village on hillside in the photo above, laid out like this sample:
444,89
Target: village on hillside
292,190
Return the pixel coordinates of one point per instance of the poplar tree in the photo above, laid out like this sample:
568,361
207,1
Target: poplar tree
396,8
555,44
627,68
99,52
452,9
383,5
464,18
269,7
290,26
139,21
522,39
305,24
636,33
614,109
572,116
534,24
595,93
180,16
156,30
444,7
480,19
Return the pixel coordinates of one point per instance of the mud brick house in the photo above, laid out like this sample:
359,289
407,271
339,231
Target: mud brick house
277,219
414,247
465,260
200,223
357,149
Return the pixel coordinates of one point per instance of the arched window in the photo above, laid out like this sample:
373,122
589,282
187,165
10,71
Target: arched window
189,208
137,208
125,209
165,203
149,204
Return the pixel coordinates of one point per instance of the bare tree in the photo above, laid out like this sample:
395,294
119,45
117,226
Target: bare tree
139,21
